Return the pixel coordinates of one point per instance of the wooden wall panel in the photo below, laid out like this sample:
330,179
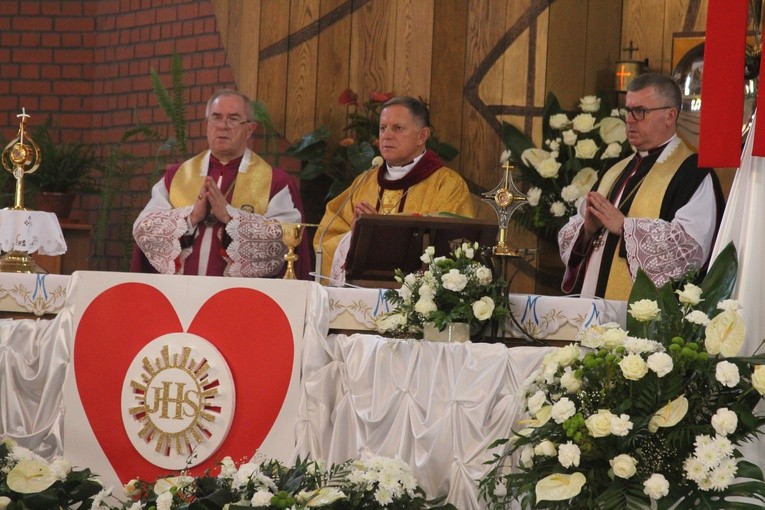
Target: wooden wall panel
248,39
301,72
333,70
603,46
567,48
479,140
413,48
643,24
373,34
272,83
448,71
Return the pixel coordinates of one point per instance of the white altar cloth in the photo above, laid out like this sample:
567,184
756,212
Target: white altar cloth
436,406
31,231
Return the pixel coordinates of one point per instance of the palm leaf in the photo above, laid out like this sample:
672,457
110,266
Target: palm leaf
720,280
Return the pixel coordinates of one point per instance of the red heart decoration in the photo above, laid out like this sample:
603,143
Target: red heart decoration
249,329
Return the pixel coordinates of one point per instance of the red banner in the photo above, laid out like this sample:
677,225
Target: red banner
722,85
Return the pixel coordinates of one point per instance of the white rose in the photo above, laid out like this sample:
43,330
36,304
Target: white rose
656,487
548,168
570,193
758,379
545,449
569,454
483,308
727,374
563,409
570,382
583,123
612,151
690,295
569,137
589,104
613,130
661,363
585,179
697,317
424,306
566,356
527,456
559,121
725,421
725,334
4,502
614,337
534,157
483,275
599,424
644,310
558,209
427,257
624,466
633,367
534,194
586,149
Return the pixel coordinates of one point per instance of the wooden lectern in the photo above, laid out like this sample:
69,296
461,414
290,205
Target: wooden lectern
380,244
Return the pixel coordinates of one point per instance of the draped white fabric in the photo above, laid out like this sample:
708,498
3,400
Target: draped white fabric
34,355
742,224
436,406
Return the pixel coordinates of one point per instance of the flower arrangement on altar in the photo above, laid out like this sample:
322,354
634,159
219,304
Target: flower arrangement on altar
455,288
29,482
648,417
354,152
576,152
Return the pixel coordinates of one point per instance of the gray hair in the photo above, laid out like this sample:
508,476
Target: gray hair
666,87
230,92
417,108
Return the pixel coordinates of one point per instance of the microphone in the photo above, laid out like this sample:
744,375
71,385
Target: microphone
377,162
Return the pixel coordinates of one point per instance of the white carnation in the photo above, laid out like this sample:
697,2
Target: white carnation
656,487
534,194
697,317
661,363
724,421
563,409
727,374
454,280
569,455
558,209
570,193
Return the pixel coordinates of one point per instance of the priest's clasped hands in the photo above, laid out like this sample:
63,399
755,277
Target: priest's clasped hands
210,203
601,213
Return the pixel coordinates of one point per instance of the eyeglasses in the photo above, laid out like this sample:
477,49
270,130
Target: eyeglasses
638,112
229,122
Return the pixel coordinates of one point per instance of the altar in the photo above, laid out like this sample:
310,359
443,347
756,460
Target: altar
437,406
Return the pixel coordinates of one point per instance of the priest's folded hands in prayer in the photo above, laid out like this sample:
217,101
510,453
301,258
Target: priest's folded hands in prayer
210,201
600,213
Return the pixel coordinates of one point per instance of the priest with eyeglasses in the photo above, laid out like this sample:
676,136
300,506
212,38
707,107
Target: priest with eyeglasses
655,210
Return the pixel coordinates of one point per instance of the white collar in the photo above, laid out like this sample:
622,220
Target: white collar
398,172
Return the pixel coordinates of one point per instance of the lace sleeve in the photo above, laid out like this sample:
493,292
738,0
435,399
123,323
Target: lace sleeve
662,249
567,237
256,248
158,235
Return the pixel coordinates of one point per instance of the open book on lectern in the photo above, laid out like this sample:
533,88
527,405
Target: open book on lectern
380,244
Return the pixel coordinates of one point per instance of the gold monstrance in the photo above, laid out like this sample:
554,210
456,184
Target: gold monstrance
505,198
21,156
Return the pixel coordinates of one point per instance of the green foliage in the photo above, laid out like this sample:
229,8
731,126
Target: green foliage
65,167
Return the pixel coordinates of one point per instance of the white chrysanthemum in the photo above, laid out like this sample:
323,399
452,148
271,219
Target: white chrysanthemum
694,469
635,345
558,209
697,317
563,409
454,280
661,363
534,195
727,374
569,454
656,487
724,421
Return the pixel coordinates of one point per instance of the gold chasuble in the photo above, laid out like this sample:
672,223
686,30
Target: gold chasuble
646,204
428,188
252,186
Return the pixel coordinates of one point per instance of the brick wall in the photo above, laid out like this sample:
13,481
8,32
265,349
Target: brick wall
86,63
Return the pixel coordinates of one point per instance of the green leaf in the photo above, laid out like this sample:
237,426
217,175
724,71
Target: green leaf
360,155
720,280
304,145
515,140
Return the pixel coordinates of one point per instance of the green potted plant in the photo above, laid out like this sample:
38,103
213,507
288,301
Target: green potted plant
65,170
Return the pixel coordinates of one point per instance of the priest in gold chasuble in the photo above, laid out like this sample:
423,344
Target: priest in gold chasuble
655,210
412,180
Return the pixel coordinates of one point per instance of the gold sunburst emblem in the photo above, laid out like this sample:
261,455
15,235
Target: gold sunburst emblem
175,397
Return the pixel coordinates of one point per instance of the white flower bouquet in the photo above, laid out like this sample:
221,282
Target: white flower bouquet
457,288
577,150
647,417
